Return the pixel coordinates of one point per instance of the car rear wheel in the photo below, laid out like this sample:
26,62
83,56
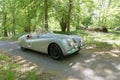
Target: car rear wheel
55,51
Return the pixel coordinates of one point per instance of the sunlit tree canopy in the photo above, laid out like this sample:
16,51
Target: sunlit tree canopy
18,16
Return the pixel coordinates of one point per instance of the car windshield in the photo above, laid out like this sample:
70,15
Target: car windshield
42,31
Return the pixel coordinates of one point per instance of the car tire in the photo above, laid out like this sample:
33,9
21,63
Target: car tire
23,48
55,52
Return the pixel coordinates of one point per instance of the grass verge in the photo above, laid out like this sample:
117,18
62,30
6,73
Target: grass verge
100,40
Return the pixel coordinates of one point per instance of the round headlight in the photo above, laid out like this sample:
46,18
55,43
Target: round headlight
70,42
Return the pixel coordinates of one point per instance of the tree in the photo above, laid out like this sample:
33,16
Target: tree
18,16
63,14
46,14
12,10
69,16
82,13
4,21
105,12
4,24
29,10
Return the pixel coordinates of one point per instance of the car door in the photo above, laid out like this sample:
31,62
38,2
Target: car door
40,45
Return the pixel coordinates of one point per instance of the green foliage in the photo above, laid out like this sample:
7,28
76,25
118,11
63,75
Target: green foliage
18,16
10,75
5,68
32,75
105,13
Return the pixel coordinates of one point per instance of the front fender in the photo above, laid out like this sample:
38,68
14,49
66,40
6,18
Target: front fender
61,43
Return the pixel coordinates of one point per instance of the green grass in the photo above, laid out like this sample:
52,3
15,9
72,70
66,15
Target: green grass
13,68
101,40
98,39
6,66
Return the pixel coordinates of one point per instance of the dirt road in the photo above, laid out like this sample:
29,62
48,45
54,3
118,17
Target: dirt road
87,65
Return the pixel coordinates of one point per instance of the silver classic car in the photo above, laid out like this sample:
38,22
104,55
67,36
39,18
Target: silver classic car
56,45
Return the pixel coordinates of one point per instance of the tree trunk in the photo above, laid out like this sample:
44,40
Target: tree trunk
46,14
63,25
4,25
14,26
28,24
78,23
69,16
12,3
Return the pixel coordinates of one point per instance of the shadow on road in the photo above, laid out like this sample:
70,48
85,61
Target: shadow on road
86,65
93,65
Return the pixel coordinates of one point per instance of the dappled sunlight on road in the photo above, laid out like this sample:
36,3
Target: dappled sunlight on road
26,65
109,41
94,66
106,52
115,51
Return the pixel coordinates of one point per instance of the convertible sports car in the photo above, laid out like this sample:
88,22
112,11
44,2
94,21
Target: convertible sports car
56,45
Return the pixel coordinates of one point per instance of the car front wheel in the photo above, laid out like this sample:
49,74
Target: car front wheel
55,52
23,48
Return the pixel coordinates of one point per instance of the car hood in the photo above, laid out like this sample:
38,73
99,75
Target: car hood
50,35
